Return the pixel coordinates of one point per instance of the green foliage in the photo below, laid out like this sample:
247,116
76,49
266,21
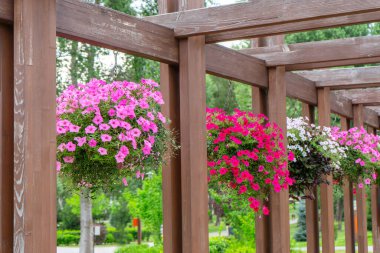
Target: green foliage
68,237
301,235
236,248
140,249
219,244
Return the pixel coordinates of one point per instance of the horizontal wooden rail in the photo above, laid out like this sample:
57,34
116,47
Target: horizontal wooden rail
266,14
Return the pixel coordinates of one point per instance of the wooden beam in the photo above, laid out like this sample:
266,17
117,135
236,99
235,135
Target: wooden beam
171,170
340,105
223,18
348,200
6,139
312,227
361,192
300,88
371,118
322,54
6,10
279,202
339,79
306,25
327,202
367,97
34,126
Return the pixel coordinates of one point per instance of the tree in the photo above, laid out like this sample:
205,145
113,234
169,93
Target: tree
300,235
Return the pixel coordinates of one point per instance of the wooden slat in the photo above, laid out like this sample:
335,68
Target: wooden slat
322,54
348,200
104,27
367,97
279,202
361,192
371,118
352,78
340,105
34,123
327,202
300,88
227,63
295,27
266,14
6,139
171,170
6,10
312,227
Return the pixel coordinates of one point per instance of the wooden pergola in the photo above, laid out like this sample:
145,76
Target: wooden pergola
182,38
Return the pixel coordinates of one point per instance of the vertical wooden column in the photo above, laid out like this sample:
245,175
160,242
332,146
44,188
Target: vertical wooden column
375,209
171,171
348,200
312,227
279,202
327,203
259,106
361,192
6,139
193,140
34,123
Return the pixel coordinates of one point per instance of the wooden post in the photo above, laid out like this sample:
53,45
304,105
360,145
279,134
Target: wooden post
348,200
171,171
6,139
192,89
375,207
361,192
311,205
327,203
34,126
139,231
279,202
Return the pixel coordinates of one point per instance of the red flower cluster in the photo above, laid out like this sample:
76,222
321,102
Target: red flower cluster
247,154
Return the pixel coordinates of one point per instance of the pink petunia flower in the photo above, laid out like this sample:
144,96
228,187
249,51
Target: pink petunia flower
71,147
90,129
104,127
97,119
102,151
74,128
106,137
68,159
92,143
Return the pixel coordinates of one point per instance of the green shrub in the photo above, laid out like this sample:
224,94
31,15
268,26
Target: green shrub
68,237
140,249
219,244
240,249
109,239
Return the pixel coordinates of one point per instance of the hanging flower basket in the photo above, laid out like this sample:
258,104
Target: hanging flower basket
246,156
362,162
316,156
107,132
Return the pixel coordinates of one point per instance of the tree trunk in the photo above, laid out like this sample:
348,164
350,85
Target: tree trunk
86,244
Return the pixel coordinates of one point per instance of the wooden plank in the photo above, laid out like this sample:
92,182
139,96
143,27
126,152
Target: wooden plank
279,202
266,14
295,27
371,118
352,78
227,63
348,200
367,97
171,170
34,123
6,139
322,54
104,27
361,192
327,202
312,228
340,105
6,10
300,88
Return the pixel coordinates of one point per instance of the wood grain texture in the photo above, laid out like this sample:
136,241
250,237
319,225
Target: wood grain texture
348,202
340,104
375,206
367,97
227,63
266,14
371,118
259,101
322,54
337,79
294,27
361,192
312,224
279,202
6,139
34,126
171,170
300,88
6,10
327,202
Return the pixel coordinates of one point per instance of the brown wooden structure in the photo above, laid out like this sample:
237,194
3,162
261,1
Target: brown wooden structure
182,38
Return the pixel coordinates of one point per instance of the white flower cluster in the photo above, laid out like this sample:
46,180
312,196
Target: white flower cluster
301,135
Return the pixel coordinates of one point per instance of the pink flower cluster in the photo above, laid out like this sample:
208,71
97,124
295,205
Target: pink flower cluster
248,155
115,123
365,146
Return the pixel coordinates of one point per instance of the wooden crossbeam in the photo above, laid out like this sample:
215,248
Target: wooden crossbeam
258,14
296,27
321,54
366,97
352,78
6,10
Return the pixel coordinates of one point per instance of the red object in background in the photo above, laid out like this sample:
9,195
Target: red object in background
135,222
